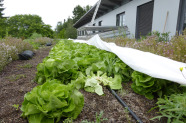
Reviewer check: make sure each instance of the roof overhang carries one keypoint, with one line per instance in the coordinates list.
(105, 7)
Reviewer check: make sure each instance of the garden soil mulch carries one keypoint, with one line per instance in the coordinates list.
(17, 79)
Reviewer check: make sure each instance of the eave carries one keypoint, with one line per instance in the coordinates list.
(105, 7)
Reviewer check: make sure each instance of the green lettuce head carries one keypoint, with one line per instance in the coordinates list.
(51, 101)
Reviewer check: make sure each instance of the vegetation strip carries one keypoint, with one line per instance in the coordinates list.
(86, 67)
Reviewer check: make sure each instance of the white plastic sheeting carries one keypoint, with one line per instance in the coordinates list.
(145, 62)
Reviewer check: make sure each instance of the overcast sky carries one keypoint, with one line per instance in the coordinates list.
(51, 11)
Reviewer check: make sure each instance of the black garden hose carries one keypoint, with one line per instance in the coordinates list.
(124, 105)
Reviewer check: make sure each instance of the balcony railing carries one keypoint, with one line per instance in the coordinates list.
(103, 31)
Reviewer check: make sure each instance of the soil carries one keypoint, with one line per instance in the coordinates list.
(17, 79)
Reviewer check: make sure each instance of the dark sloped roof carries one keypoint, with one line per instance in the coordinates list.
(105, 7)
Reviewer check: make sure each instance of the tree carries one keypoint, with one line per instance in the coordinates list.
(59, 27)
(87, 8)
(22, 26)
(3, 24)
(1, 9)
(62, 34)
(3, 28)
(66, 29)
(70, 31)
(78, 12)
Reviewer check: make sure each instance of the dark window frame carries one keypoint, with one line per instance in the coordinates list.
(100, 23)
(181, 17)
(118, 18)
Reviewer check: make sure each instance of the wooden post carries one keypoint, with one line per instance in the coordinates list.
(165, 21)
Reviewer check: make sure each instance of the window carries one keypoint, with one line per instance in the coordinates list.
(83, 33)
(79, 33)
(120, 19)
(181, 25)
(94, 25)
(144, 17)
(184, 23)
(100, 23)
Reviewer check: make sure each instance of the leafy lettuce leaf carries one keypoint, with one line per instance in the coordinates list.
(93, 83)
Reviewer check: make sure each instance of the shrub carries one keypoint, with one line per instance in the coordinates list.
(10, 48)
(35, 35)
(7, 54)
(18, 43)
(43, 40)
(179, 47)
(37, 42)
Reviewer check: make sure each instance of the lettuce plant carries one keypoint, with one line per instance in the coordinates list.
(67, 59)
(146, 85)
(51, 101)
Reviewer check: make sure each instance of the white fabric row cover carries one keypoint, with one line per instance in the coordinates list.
(153, 65)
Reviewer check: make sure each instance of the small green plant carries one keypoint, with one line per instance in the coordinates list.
(99, 118)
(126, 111)
(68, 120)
(25, 66)
(173, 107)
(2, 121)
(16, 106)
(122, 92)
(16, 77)
(161, 36)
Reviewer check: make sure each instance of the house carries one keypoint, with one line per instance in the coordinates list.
(133, 18)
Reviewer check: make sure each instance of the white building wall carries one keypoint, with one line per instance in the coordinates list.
(161, 7)
(159, 16)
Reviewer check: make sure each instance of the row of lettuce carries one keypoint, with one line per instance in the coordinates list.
(10, 47)
(71, 66)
